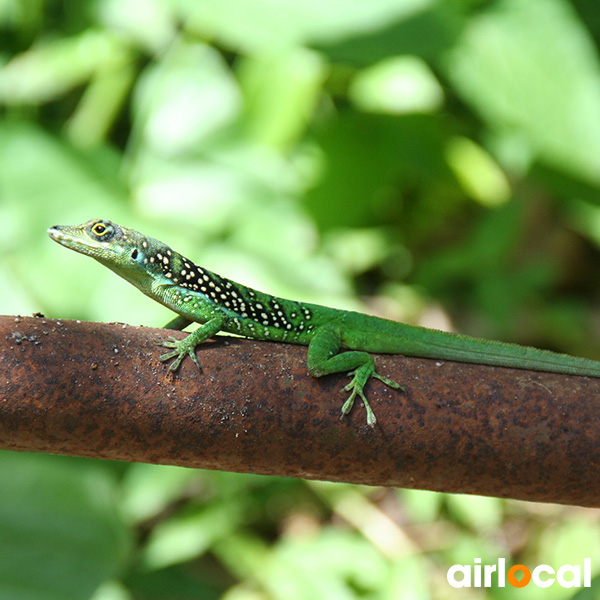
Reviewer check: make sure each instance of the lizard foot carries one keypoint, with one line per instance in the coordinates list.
(183, 348)
(360, 377)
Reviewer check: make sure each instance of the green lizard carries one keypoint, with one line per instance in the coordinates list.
(218, 304)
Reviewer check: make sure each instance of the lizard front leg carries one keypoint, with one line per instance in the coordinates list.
(188, 344)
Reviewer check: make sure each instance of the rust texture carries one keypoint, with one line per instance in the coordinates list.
(98, 390)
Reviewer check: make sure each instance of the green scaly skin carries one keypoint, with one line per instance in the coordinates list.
(218, 304)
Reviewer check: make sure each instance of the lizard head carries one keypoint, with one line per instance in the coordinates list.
(137, 258)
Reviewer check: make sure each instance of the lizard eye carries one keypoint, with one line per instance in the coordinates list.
(102, 230)
(134, 253)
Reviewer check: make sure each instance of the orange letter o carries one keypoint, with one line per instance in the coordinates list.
(514, 581)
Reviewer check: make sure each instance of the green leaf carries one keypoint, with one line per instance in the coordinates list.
(48, 70)
(365, 155)
(424, 29)
(531, 68)
(397, 85)
(281, 93)
(187, 96)
(185, 537)
(272, 24)
(479, 512)
(59, 531)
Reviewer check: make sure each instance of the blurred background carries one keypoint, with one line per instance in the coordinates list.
(436, 162)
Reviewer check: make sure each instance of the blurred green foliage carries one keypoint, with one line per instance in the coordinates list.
(436, 161)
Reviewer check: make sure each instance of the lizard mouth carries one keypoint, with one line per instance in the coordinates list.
(64, 237)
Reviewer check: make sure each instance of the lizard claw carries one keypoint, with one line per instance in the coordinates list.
(356, 387)
(179, 353)
(170, 342)
(360, 377)
(347, 407)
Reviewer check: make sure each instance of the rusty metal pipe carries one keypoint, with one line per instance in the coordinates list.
(98, 390)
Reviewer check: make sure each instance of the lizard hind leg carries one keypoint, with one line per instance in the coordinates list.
(324, 359)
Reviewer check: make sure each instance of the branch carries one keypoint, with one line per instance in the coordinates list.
(98, 390)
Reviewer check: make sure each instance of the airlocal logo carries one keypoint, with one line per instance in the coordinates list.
(543, 576)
